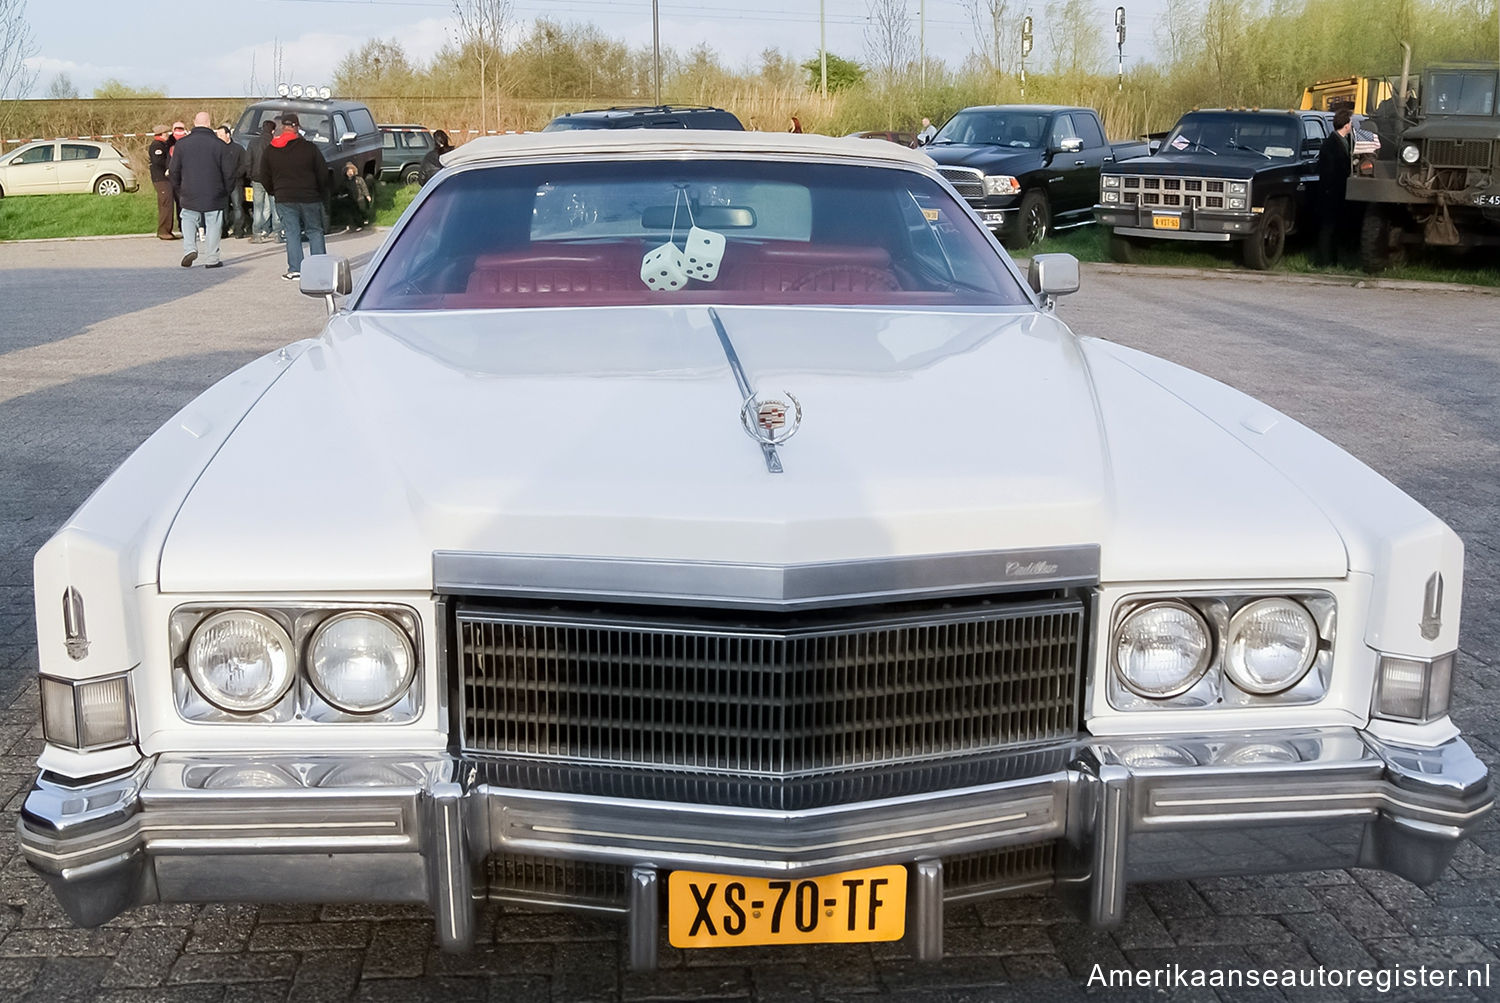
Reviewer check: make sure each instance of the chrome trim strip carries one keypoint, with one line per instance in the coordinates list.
(763, 586)
(773, 459)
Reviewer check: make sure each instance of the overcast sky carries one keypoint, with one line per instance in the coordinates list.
(211, 48)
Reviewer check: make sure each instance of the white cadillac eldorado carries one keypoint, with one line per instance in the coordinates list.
(718, 529)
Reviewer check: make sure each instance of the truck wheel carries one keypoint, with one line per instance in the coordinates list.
(1380, 244)
(411, 174)
(1264, 249)
(1122, 249)
(1033, 222)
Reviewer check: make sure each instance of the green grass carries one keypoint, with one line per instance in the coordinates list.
(391, 201)
(25, 217)
(1090, 243)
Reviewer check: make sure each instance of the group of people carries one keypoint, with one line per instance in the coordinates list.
(203, 179)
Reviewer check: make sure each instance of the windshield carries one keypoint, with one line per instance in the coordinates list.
(669, 231)
(1023, 130)
(1275, 137)
(1461, 93)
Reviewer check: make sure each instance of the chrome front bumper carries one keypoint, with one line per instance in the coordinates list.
(416, 828)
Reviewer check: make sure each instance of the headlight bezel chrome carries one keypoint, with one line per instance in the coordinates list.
(301, 704)
(1215, 688)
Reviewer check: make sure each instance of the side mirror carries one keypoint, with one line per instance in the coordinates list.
(1053, 275)
(348, 137)
(1071, 144)
(326, 275)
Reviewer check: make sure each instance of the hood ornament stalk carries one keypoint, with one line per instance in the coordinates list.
(768, 420)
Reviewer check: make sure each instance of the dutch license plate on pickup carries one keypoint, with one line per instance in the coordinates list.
(724, 910)
(1166, 222)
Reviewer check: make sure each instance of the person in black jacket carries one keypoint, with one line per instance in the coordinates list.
(296, 175)
(236, 220)
(263, 221)
(160, 155)
(1334, 162)
(433, 162)
(202, 172)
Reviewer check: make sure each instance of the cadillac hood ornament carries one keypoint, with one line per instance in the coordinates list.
(1432, 608)
(75, 634)
(771, 420)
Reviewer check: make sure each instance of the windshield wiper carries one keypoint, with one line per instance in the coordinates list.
(1250, 149)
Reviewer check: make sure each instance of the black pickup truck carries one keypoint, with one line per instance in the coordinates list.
(1027, 169)
(1220, 175)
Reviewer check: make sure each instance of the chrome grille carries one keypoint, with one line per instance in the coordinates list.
(1460, 153)
(549, 880)
(965, 180)
(1174, 193)
(764, 699)
(989, 872)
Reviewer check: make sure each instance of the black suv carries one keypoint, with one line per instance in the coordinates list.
(647, 117)
(344, 130)
(1221, 175)
(402, 149)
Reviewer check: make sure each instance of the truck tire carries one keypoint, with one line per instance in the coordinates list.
(1264, 249)
(1033, 222)
(1379, 242)
(1122, 249)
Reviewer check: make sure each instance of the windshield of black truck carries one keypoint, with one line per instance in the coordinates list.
(1275, 137)
(1022, 130)
(1461, 93)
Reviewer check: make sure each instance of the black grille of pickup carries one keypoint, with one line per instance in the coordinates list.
(846, 689)
(965, 180)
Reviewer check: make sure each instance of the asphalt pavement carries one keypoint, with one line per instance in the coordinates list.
(102, 340)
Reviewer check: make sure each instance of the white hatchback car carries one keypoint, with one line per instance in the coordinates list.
(718, 530)
(57, 166)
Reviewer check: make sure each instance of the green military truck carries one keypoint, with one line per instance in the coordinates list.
(1441, 187)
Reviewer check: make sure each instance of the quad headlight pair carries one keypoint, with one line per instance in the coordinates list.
(1168, 648)
(245, 662)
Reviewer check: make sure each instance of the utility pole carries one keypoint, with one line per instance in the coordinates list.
(1120, 45)
(1025, 51)
(823, 49)
(655, 55)
(922, 48)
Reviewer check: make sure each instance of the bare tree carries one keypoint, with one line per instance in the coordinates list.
(888, 39)
(1178, 27)
(481, 33)
(16, 46)
(994, 34)
(1075, 30)
(61, 88)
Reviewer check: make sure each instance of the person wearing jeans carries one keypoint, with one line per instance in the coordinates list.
(301, 221)
(295, 174)
(264, 223)
(202, 173)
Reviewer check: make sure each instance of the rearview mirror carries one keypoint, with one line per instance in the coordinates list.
(1053, 275)
(325, 275)
(709, 217)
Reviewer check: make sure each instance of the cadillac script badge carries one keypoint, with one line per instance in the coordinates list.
(771, 420)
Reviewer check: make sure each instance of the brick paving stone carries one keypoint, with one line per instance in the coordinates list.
(520, 989)
(996, 940)
(74, 943)
(1262, 901)
(687, 984)
(145, 957)
(1451, 951)
(222, 927)
(1467, 919)
(326, 975)
(1392, 893)
(578, 975)
(398, 949)
(1081, 949)
(1329, 941)
(948, 973)
(309, 936)
(450, 990)
(288, 912)
(513, 925)
(257, 992)
(233, 968)
(1175, 900)
(1227, 930)
(343, 912)
(495, 959)
(64, 980)
(1017, 909)
(17, 974)
(788, 983)
(1030, 967)
(171, 994)
(1359, 911)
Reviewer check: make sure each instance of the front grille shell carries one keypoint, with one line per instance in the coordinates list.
(768, 699)
(1174, 193)
(967, 181)
(1461, 153)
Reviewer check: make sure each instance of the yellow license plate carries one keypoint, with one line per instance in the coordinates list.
(1166, 223)
(723, 910)
(249, 194)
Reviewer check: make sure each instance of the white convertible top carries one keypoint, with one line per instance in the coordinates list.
(654, 141)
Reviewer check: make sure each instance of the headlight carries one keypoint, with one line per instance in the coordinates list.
(240, 661)
(1270, 644)
(1111, 196)
(1001, 184)
(360, 662)
(1238, 187)
(1162, 649)
(1111, 181)
(1411, 153)
(1236, 203)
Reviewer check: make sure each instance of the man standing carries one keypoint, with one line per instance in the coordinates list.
(928, 133)
(263, 223)
(1334, 161)
(296, 176)
(160, 155)
(235, 222)
(202, 172)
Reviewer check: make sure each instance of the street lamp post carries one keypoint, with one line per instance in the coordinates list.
(655, 55)
(1120, 45)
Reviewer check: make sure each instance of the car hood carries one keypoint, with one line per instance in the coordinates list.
(617, 433)
(977, 157)
(1231, 165)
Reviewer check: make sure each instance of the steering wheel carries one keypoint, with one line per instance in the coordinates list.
(875, 278)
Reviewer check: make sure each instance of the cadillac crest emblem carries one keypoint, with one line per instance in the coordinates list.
(771, 420)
